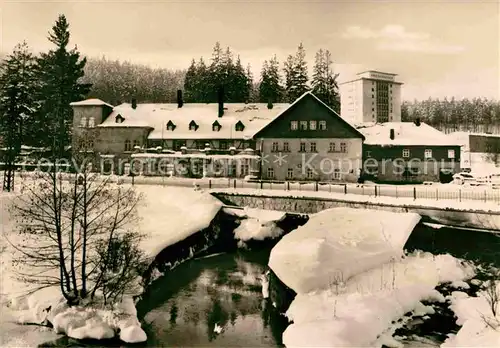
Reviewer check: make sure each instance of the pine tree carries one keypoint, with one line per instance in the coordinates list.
(324, 82)
(270, 88)
(203, 83)
(300, 78)
(190, 83)
(288, 69)
(250, 85)
(60, 72)
(216, 73)
(17, 105)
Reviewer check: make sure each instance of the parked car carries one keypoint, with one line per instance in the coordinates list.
(465, 179)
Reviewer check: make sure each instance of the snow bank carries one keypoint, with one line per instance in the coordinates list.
(480, 328)
(257, 224)
(358, 312)
(92, 323)
(336, 244)
(171, 214)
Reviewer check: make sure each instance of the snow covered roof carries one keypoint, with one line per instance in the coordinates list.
(90, 102)
(465, 135)
(254, 117)
(405, 133)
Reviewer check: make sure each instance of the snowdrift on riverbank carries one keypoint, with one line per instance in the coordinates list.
(480, 328)
(360, 312)
(338, 243)
(258, 224)
(171, 214)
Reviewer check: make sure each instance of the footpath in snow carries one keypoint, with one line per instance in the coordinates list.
(353, 281)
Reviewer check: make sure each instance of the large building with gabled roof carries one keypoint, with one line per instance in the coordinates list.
(305, 140)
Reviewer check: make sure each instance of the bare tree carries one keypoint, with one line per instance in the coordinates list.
(79, 228)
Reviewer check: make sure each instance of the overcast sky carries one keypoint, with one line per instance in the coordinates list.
(438, 48)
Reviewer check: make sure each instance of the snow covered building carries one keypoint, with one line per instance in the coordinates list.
(219, 139)
(479, 151)
(408, 152)
(373, 96)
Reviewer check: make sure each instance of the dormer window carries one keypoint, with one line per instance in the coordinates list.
(216, 126)
(170, 126)
(193, 126)
(239, 126)
(119, 119)
(83, 122)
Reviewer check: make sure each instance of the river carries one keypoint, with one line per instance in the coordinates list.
(183, 308)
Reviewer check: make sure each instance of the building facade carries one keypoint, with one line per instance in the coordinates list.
(408, 152)
(310, 141)
(305, 140)
(372, 97)
(479, 151)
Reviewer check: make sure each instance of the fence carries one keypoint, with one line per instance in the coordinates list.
(430, 192)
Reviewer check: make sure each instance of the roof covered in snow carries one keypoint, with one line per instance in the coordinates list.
(405, 133)
(91, 102)
(465, 135)
(253, 117)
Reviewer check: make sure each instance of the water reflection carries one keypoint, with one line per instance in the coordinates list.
(219, 303)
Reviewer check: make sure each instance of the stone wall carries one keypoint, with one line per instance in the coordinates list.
(310, 205)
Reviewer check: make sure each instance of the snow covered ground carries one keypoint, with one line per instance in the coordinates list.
(353, 281)
(167, 215)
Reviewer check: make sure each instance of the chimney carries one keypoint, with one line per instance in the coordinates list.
(220, 100)
(180, 102)
(417, 122)
(391, 133)
(134, 103)
(269, 104)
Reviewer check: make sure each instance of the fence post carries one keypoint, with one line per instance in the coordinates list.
(375, 190)
(316, 186)
(209, 183)
(396, 192)
(288, 185)
(460, 195)
(234, 183)
(414, 193)
(330, 187)
(261, 183)
(345, 189)
(437, 194)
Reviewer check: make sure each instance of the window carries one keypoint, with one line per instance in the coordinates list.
(451, 154)
(136, 143)
(276, 147)
(406, 153)
(270, 173)
(193, 126)
(286, 147)
(373, 109)
(216, 126)
(368, 154)
(331, 148)
(428, 153)
(170, 126)
(312, 125)
(343, 147)
(302, 147)
(239, 127)
(313, 147)
(245, 167)
(294, 125)
(303, 125)
(373, 89)
(128, 145)
(119, 119)
(91, 122)
(310, 173)
(289, 173)
(223, 145)
(336, 174)
(83, 122)
(322, 125)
